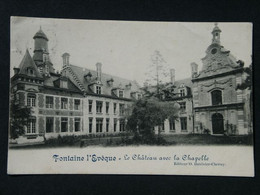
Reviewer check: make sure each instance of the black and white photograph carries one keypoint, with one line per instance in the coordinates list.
(130, 97)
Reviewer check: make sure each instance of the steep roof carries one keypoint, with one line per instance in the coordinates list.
(27, 62)
(118, 82)
(187, 82)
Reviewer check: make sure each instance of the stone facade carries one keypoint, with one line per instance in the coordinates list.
(60, 102)
(219, 107)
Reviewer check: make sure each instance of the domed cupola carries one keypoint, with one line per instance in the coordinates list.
(40, 34)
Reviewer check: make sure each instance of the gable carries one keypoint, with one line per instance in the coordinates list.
(28, 67)
(70, 85)
(217, 60)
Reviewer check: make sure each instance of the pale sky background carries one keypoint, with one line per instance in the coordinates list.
(125, 48)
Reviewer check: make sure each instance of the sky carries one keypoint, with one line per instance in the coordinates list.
(125, 47)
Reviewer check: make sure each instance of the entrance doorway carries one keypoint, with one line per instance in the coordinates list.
(217, 123)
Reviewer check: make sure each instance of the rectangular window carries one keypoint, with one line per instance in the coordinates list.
(64, 124)
(49, 102)
(107, 124)
(121, 93)
(76, 104)
(99, 125)
(64, 103)
(99, 106)
(49, 124)
(64, 84)
(122, 125)
(172, 124)
(182, 92)
(114, 108)
(98, 89)
(182, 106)
(115, 124)
(31, 126)
(90, 125)
(183, 123)
(77, 124)
(90, 106)
(107, 107)
(121, 109)
(31, 98)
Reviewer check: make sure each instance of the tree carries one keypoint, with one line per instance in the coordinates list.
(18, 118)
(157, 71)
(247, 84)
(148, 113)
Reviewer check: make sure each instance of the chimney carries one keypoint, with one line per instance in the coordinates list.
(66, 61)
(98, 65)
(172, 73)
(194, 69)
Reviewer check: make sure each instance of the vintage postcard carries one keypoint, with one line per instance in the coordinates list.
(125, 97)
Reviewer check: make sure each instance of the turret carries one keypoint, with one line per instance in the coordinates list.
(40, 46)
(216, 34)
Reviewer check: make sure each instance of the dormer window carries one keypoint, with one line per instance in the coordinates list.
(64, 84)
(121, 93)
(110, 82)
(182, 92)
(129, 86)
(98, 89)
(30, 72)
(88, 76)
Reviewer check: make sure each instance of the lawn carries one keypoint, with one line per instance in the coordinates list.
(203, 139)
(190, 139)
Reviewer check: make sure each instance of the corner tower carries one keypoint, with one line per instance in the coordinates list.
(41, 53)
(40, 46)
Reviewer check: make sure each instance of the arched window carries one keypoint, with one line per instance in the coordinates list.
(216, 97)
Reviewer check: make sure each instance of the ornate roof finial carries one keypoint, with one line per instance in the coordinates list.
(216, 34)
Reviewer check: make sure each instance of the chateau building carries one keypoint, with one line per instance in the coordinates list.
(83, 101)
(75, 101)
(178, 92)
